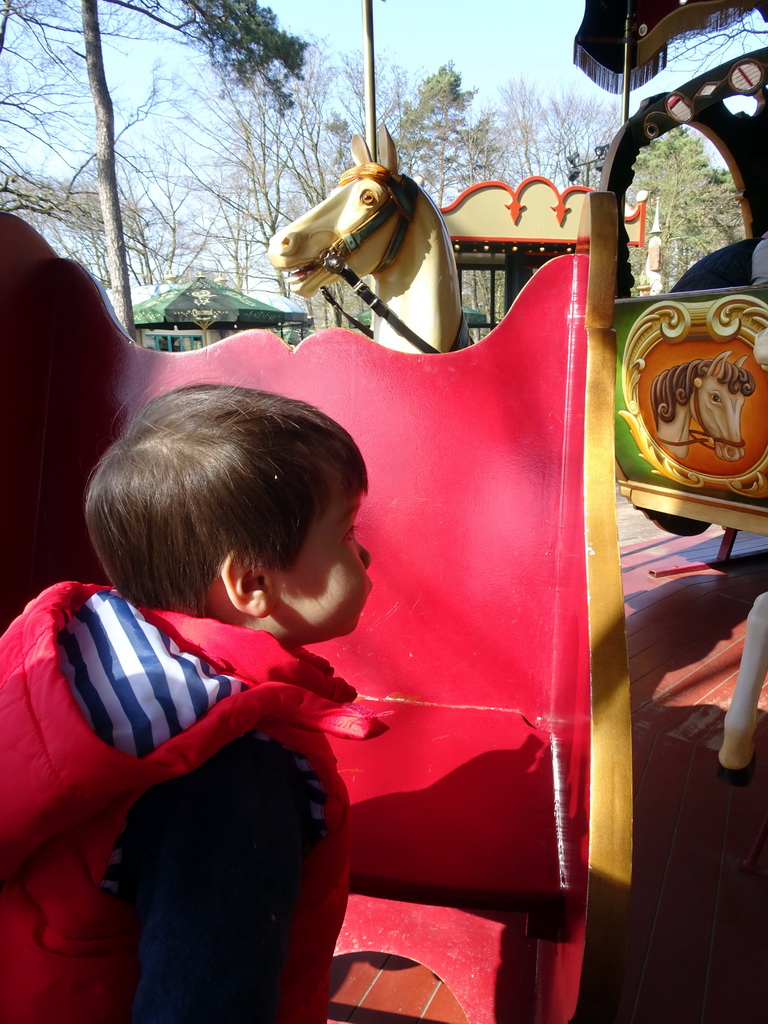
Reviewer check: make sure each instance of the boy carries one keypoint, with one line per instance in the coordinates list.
(172, 826)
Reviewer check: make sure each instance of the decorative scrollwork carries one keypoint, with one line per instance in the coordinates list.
(674, 320)
(754, 484)
(739, 316)
(735, 315)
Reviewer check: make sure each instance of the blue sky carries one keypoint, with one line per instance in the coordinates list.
(489, 42)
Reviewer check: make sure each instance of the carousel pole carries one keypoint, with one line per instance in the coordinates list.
(629, 46)
(370, 78)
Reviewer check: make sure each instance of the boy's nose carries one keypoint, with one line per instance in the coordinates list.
(365, 555)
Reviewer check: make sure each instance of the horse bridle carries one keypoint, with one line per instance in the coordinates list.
(400, 202)
(699, 436)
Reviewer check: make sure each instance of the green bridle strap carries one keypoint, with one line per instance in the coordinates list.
(401, 201)
(404, 193)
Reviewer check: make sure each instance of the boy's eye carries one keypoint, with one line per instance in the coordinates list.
(350, 534)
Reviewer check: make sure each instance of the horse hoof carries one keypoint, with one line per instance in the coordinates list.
(737, 776)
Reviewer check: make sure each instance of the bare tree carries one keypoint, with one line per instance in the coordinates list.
(236, 161)
(699, 50)
(67, 214)
(40, 108)
(396, 89)
(482, 145)
(106, 163)
(163, 233)
(541, 130)
(237, 34)
(260, 165)
(522, 116)
(167, 233)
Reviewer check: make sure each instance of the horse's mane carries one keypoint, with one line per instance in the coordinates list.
(372, 170)
(674, 386)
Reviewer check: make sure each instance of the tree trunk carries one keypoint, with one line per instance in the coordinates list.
(107, 167)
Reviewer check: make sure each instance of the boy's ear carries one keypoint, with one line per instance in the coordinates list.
(248, 591)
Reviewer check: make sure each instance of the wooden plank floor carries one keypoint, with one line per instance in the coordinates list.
(698, 948)
(698, 944)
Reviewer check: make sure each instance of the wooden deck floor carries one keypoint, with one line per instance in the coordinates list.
(698, 945)
(698, 949)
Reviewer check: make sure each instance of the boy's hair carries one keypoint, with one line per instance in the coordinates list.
(208, 471)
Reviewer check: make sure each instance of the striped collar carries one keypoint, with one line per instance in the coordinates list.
(132, 682)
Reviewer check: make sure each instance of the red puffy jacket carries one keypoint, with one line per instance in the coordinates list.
(67, 948)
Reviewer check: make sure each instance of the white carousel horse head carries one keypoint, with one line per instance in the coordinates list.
(383, 224)
(709, 391)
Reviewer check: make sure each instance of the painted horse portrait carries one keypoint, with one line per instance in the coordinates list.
(382, 223)
(709, 392)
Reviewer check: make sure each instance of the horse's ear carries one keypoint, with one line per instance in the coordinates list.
(360, 152)
(717, 364)
(387, 150)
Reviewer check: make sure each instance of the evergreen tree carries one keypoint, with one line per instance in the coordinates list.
(698, 208)
(433, 132)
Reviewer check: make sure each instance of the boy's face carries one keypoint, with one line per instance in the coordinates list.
(322, 595)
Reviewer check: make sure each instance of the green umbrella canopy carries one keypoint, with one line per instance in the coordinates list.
(473, 317)
(203, 302)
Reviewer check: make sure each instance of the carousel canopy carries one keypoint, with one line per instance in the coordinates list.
(294, 311)
(203, 302)
(601, 40)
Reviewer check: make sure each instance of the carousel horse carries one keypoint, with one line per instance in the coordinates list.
(737, 753)
(709, 391)
(380, 222)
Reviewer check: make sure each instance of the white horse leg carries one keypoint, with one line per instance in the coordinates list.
(738, 747)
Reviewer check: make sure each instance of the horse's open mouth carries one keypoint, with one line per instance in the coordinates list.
(729, 451)
(299, 274)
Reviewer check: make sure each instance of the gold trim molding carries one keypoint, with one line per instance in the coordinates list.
(731, 317)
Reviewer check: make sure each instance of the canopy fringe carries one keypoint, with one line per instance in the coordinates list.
(650, 56)
(685, 22)
(611, 81)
